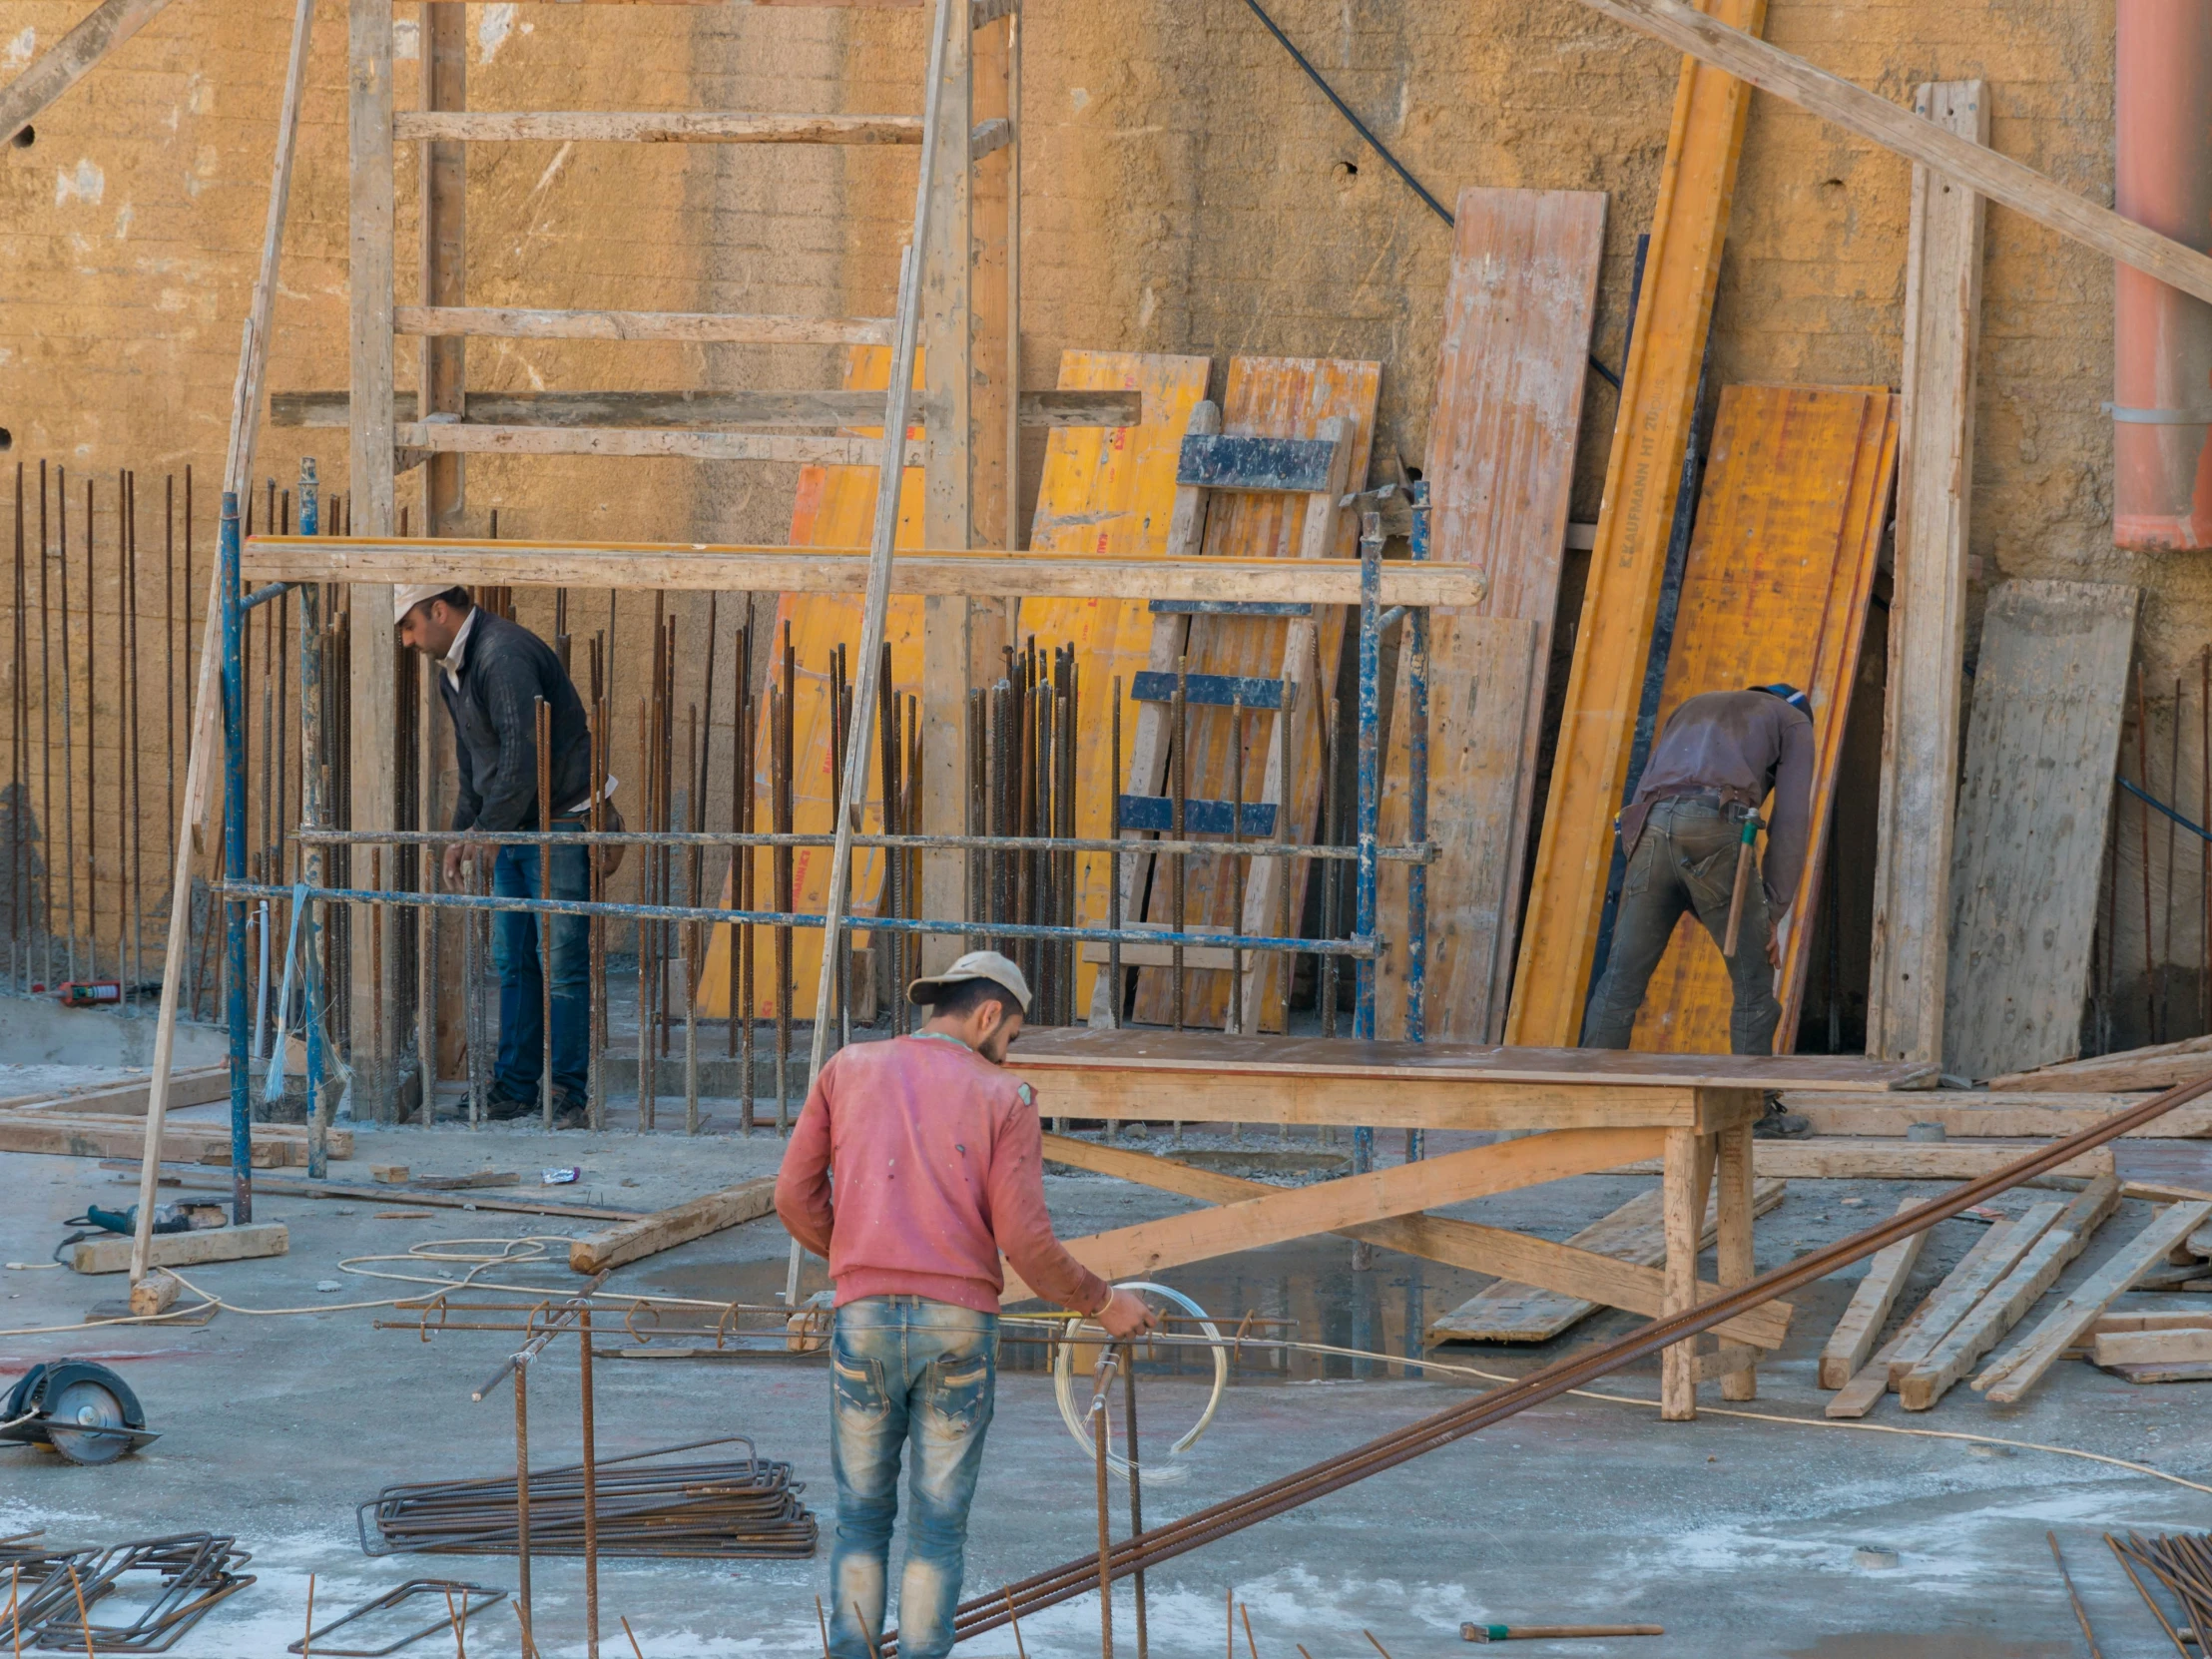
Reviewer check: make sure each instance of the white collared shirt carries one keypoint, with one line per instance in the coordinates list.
(451, 661)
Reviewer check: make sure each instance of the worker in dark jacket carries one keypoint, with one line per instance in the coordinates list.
(492, 673)
(1721, 754)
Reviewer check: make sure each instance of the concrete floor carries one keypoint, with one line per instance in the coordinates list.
(1736, 1535)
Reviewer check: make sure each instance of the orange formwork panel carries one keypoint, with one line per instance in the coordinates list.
(1282, 398)
(1776, 587)
(1696, 188)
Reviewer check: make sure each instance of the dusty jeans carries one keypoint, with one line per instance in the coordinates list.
(905, 1370)
(1685, 860)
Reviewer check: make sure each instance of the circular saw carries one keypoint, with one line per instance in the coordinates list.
(77, 1407)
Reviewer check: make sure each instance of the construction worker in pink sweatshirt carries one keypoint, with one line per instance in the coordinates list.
(914, 1165)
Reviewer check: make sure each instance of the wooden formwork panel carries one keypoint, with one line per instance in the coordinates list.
(1776, 587)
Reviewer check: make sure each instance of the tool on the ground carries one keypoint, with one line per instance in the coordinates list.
(1552, 1632)
(81, 1410)
(187, 1217)
(457, 1613)
(194, 1572)
(1746, 847)
(2082, 1613)
(81, 993)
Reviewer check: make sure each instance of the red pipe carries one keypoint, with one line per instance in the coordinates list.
(2162, 337)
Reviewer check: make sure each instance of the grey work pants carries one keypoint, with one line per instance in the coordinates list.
(1685, 860)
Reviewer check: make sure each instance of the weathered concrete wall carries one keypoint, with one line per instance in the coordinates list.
(1187, 190)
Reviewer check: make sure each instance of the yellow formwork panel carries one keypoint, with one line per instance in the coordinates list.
(1776, 587)
(1108, 491)
(1277, 397)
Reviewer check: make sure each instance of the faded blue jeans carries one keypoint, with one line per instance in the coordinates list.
(906, 1371)
(514, 953)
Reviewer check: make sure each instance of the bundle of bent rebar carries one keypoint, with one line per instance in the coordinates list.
(737, 1509)
(2183, 1563)
(56, 1591)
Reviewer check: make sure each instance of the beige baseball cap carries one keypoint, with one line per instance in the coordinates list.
(977, 964)
(405, 596)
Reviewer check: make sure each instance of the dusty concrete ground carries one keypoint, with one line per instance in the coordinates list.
(1737, 1534)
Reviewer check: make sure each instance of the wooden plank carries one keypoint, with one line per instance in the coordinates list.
(70, 59)
(479, 438)
(1867, 1387)
(197, 1087)
(837, 568)
(1958, 1295)
(1845, 1354)
(1776, 587)
(2161, 1073)
(1977, 1114)
(92, 1137)
(1950, 1359)
(1927, 609)
(1299, 1212)
(1631, 1283)
(653, 127)
(2048, 695)
(1520, 1311)
(1064, 407)
(1685, 1177)
(1518, 312)
(1697, 187)
(215, 1135)
(1733, 1175)
(183, 1250)
(1108, 494)
(2016, 1371)
(1855, 110)
(2145, 1348)
(693, 328)
(1282, 398)
(1870, 1158)
(2088, 1073)
(666, 1229)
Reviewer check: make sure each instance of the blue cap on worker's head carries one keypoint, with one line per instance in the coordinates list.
(1789, 694)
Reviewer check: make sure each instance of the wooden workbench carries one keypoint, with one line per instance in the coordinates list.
(1582, 1111)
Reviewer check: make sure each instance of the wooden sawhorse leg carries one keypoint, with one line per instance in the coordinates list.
(1693, 1160)
(1733, 1220)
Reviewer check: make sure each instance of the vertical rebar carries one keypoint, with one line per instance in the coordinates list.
(92, 742)
(69, 719)
(782, 788)
(689, 931)
(1241, 866)
(46, 730)
(1331, 887)
(1105, 1518)
(2142, 816)
(137, 815)
(591, 1480)
(543, 921)
(1180, 716)
(522, 1495)
(1136, 1482)
(745, 862)
(1113, 877)
(233, 867)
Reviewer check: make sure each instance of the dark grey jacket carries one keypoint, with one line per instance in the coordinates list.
(505, 669)
(1740, 746)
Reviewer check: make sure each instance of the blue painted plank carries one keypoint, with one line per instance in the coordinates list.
(1156, 812)
(1211, 691)
(1217, 461)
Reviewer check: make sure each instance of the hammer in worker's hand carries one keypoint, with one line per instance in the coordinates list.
(1743, 851)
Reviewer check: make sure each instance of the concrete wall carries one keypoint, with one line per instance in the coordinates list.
(1186, 190)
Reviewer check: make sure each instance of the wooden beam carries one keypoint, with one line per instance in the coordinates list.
(703, 408)
(1855, 110)
(1927, 616)
(2017, 1369)
(1298, 1211)
(1852, 1339)
(98, 1137)
(179, 1250)
(1643, 474)
(70, 59)
(690, 328)
(1859, 1395)
(197, 1087)
(1957, 1296)
(1869, 1158)
(1978, 1115)
(1461, 1244)
(666, 1229)
(475, 438)
(653, 127)
(1946, 1361)
(703, 566)
(2160, 1072)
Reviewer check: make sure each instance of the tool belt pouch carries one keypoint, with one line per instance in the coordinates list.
(608, 860)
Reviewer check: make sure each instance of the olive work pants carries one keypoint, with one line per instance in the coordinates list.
(1685, 860)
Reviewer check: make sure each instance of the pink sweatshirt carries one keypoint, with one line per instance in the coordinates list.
(938, 1161)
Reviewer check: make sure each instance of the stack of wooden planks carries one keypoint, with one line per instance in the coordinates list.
(1994, 1286)
(107, 1122)
(2160, 1066)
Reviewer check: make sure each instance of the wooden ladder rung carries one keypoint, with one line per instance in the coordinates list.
(514, 322)
(452, 437)
(652, 127)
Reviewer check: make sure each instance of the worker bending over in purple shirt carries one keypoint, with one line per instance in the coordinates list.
(915, 1163)
(1718, 758)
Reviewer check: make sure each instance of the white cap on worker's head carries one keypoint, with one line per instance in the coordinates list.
(405, 596)
(977, 964)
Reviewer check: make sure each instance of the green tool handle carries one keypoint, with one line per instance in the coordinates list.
(1552, 1632)
(1744, 850)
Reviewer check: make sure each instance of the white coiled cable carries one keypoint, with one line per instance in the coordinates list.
(1167, 1472)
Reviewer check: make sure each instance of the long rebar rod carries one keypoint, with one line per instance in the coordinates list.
(1441, 1429)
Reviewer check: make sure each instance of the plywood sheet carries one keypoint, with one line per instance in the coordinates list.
(1777, 585)
(1696, 188)
(1284, 398)
(1508, 405)
(1108, 491)
(2041, 744)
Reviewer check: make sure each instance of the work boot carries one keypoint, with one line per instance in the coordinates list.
(570, 1110)
(502, 1107)
(1778, 1125)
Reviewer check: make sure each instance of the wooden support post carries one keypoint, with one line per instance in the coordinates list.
(372, 489)
(1927, 616)
(1733, 1243)
(1658, 386)
(951, 644)
(1683, 1206)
